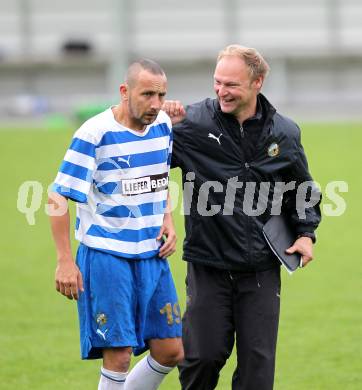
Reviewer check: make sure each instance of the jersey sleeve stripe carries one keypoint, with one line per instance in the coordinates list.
(169, 154)
(69, 193)
(80, 159)
(89, 134)
(72, 182)
(84, 147)
(76, 171)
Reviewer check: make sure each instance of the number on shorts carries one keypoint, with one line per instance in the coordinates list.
(171, 312)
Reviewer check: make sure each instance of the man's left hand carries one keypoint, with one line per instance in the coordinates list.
(304, 246)
(167, 230)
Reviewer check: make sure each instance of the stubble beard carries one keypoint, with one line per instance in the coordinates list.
(140, 118)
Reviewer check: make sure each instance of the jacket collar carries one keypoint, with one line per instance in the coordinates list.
(265, 114)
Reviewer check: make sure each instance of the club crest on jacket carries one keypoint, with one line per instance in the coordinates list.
(273, 150)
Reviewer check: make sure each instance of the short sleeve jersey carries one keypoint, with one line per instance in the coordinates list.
(119, 179)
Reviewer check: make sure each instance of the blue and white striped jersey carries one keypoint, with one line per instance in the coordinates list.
(119, 179)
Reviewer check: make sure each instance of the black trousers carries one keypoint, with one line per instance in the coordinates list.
(220, 306)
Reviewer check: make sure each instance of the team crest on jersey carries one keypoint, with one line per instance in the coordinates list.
(273, 150)
(101, 319)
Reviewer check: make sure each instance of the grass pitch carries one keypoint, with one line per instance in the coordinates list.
(319, 344)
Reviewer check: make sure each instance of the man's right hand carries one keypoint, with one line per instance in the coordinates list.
(68, 279)
(175, 110)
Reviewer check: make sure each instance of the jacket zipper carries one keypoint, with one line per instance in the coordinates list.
(242, 133)
(246, 167)
(248, 222)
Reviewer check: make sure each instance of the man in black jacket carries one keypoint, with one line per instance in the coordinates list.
(241, 162)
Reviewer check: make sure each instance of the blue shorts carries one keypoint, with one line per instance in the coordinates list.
(125, 302)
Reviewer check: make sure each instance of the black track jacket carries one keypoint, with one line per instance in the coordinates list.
(220, 157)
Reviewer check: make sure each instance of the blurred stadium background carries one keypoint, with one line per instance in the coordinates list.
(61, 61)
(57, 57)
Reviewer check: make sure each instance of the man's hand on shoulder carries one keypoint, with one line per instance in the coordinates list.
(68, 279)
(304, 246)
(175, 110)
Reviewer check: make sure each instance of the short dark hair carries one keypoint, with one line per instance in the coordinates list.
(142, 64)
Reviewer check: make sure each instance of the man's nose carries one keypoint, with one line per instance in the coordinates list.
(221, 91)
(156, 103)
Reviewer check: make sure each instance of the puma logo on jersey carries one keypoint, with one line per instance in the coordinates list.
(102, 334)
(215, 138)
(125, 161)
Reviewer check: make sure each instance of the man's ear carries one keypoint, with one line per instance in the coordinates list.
(258, 82)
(124, 89)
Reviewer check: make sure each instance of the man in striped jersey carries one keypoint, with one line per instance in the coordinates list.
(116, 170)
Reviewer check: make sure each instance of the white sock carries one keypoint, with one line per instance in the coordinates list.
(111, 380)
(147, 374)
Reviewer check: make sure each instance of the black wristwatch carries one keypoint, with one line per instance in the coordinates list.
(308, 234)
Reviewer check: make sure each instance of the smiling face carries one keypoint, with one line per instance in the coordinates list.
(234, 87)
(144, 98)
